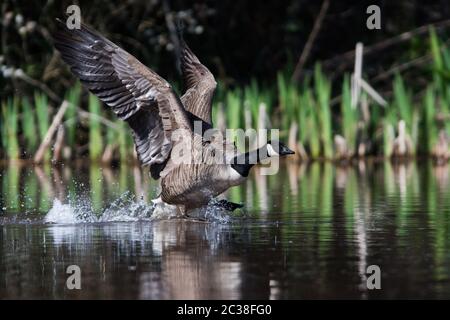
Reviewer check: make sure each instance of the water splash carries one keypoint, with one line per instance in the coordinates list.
(127, 208)
(61, 213)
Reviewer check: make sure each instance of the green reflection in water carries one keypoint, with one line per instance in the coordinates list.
(330, 218)
(235, 195)
(30, 190)
(320, 191)
(123, 178)
(46, 195)
(11, 187)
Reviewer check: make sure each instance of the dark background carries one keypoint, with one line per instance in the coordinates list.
(237, 40)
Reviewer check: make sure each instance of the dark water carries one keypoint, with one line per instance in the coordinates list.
(308, 232)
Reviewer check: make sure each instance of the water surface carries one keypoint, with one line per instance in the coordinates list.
(309, 232)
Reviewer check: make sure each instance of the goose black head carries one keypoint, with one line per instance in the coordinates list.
(276, 148)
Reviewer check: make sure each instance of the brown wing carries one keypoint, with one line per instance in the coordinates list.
(135, 93)
(200, 84)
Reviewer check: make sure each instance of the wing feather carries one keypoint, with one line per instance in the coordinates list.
(135, 93)
(199, 82)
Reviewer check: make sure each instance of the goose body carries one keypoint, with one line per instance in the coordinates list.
(192, 168)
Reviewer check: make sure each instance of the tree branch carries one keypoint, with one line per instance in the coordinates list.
(312, 37)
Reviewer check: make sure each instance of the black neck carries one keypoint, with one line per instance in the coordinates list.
(244, 162)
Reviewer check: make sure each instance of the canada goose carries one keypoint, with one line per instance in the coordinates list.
(162, 124)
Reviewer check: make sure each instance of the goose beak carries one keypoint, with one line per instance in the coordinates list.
(286, 151)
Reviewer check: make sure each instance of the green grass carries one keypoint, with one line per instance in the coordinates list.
(430, 130)
(406, 110)
(349, 125)
(70, 117)
(29, 126)
(323, 91)
(9, 128)
(123, 145)
(388, 134)
(95, 129)
(426, 113)
(43, 116)
(234, 107)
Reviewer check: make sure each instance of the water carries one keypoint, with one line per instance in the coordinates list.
(308, 232)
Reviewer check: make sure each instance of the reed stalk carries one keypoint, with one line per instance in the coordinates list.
(29, 127)
(323, 92)
(70, 117)
(287, 106)
(349, 126)
(95, 132)
(43, 117)
(122, 141)
(10, 129)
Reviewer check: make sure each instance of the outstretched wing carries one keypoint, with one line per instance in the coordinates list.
(135, 93)
(199, 82)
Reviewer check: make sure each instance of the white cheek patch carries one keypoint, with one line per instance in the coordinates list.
(271, 151)
(232, 174)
